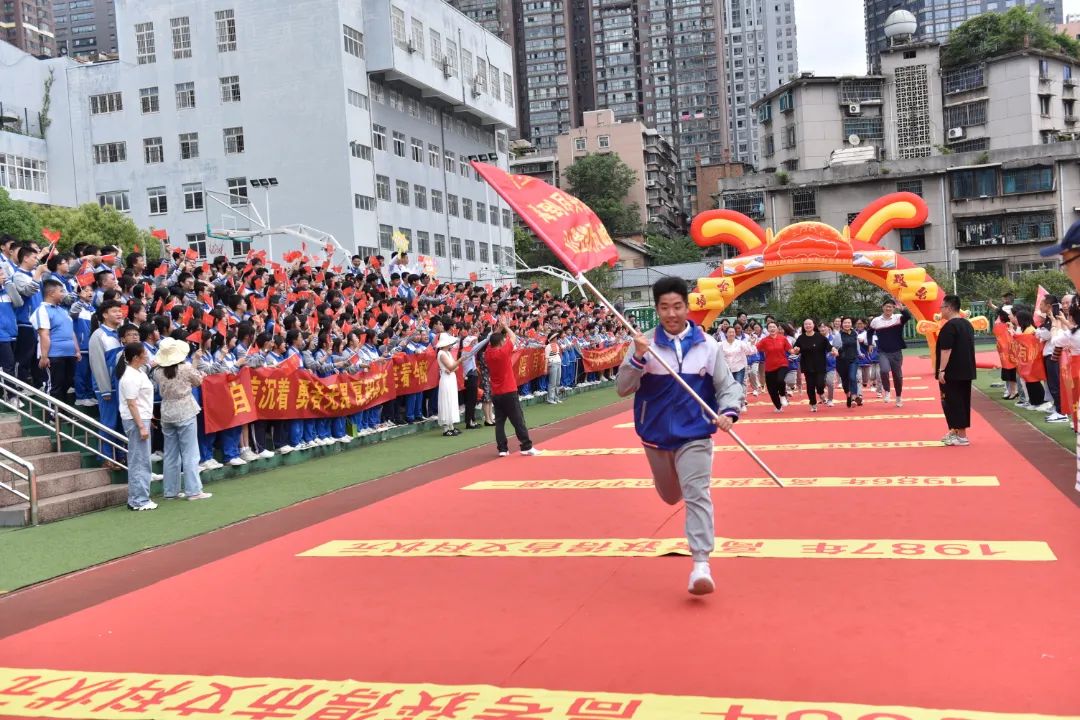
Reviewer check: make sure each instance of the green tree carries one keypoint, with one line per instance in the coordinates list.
(602, 181)
(671, 250)
(813, 299)
(91, 223)
(982, 287)
(17, 219)
(1055, 282)
(992, 34)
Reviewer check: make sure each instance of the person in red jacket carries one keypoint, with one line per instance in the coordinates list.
(504, 391)
(775, 348)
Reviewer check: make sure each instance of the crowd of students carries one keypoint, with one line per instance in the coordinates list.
(858, 354)
(78, 324)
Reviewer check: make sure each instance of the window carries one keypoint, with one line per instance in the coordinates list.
(1024, 180)
(159, 203)
(226, 30)
(483, 252)
(440, 245)
(354, 41)
(463, 166)
(494, 215)
(238, 191)
(467, 66)
(1044, 105)
(579, 144)
(114, 152)
(357, 99)
(399, 144)
(604, 141)
(360, 151)
(397, 27)
(912, 239)
(181, 38)
(481, 212)
(508, 89)
(495, 252)
(436, 47)
(433, 155)
(1030, 227)
(189, 146)
(382, 187)
(117, 199)
(185, 95)
(788, 141)
(911, 186)
(496, 90)
(436, 201)
(507, 218)
(981, 182)
(451, 58)
(386, 237)
(197, 242)
(153, 152)
(418, 150)
(466, 208)
(402, 192)
(144, 43)
(234, 140)
(107, 103)
(455, 248)
(148, 98)
(481, 75)
(193, 197)
(449, 162)
(378, 137)
(452, 204)
(364, 202)
(423, 242)
(230, 88)
(470, 249)
(418, 37)
(420, 197)
(803, 202)
(966, 115)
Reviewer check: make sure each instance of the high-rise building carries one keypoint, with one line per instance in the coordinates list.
(938, 18)
(85, 27)
(760, 54)
(28, 25)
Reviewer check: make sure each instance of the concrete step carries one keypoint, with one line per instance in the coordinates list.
(65, 506)
(47, 464)
(24, 446)
(59, 483)
(10, 427)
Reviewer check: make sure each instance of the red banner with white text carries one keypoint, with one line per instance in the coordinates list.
(287, 394)
(600, 359)
(1069, 377)
(1025, 354)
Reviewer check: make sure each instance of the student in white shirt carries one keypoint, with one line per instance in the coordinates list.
(136, 412)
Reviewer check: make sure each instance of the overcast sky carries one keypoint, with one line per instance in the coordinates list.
(832, 36)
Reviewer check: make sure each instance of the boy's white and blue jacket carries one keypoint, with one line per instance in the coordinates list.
(665, 416)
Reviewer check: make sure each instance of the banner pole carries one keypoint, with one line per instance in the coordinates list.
(584, 281)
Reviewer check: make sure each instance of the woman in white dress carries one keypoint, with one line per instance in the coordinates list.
(449, 412)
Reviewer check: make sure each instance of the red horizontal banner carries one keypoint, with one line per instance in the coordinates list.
(289, 394)
(1025, 354)
(600, 359)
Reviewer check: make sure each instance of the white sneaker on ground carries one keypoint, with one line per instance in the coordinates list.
(285, 449)
(1046, 407)
(201, 496)
(948, 435)
(1056, 417)
(701, 582)
(150, 505)
(899, 401)
(266, 454)
(503, 453)
(957, 440)
(530, 451)
(344, 439)
(156, 477)
(813, 408)
(211, 464)
(778, 409)
(783, 401)
(156, 456)
(178, 496)
(237, 462)
(305, 445)
(887, 397)
(248, 454)
(1023, 404)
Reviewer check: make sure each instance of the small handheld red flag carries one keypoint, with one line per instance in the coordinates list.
(160, 234)
(161, 270)
(195, 337)
(290, 363)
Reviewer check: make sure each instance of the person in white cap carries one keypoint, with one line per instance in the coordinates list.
(175, 378)
(449, 412)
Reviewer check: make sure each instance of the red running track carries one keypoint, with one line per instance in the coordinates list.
(985, 636)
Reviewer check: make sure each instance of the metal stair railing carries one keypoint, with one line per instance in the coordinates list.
(62, 420)
(24, 470)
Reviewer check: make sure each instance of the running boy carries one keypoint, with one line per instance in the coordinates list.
(676, 434)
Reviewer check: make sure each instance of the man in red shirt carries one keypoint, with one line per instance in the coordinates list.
(504, 391)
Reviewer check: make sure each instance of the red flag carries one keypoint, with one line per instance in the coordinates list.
(252, 350)
(53, 236)
(160, 234)
(135, 247)
(222, 328)
(108, 259)
(192, 254)
(259, 304)
(291, 256)
(355, 360)
(85, 279)
(565, 224)
(188, 314)
(375, 263)
(124, 310)
(313, 323)
(259, 283)
(161, 270)
(473, 276)
(371, 323)
(346, 328)
(290, 363)
(208, 319)
(205, 267)
(1037, 316)
(147, 290)
(195, 337)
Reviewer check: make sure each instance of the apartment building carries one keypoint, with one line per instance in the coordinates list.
(28, 25)
(85, 28)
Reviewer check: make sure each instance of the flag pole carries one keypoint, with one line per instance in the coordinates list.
(584, 281)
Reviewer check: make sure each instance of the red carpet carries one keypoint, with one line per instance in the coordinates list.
(984, 637)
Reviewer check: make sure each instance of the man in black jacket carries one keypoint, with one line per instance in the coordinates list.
(955, 369)
(889, 328)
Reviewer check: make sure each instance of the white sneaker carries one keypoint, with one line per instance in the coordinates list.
(887, 397)
(344, 439)
(813, 408)
(285, 449)
(1023, 404)
(211, 464)
(503, 453)
(249, 455)
(237, 462)
(778, 409)
(266, 454)
(701, 582)
(1057, 417)
(1046, 407)
(899, 402)
(530, 451)
(156, 456)
(150, 505)
(303, 446)
(201, 496)
(156, 477)
(783, 401)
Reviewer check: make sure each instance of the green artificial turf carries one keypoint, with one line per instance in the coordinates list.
(31, 555)
(1061, 433)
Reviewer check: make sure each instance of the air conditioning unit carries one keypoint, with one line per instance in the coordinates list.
(411, 47)
(956, 133)
(446, 67)
(854, 109)
(475, 91)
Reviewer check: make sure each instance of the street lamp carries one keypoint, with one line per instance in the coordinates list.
(266, 184)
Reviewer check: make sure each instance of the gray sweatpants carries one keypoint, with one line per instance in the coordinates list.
(686, 474)
(892, 362)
